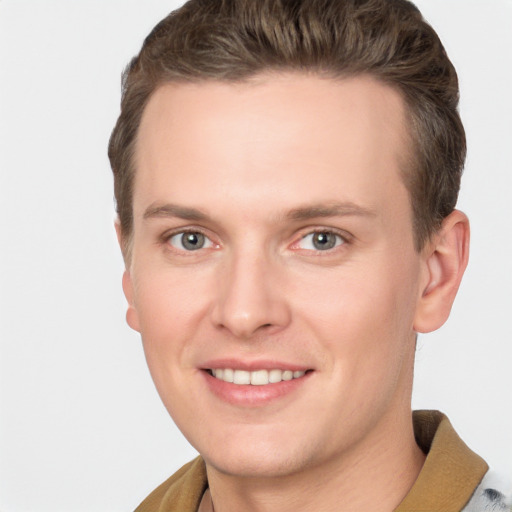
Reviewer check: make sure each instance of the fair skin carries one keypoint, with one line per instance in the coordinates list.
(298, 255)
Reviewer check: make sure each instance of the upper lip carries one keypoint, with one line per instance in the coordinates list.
(263, 364)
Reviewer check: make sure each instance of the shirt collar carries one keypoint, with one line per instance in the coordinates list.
(451, 471)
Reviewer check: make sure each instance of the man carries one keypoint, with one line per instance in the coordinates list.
(286, 174)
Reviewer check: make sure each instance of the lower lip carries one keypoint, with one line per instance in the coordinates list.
(253, 396)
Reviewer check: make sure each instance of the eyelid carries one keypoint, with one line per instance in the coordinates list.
(169, 234)
(346, 238)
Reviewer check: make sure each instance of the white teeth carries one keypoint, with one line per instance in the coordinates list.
(287, 375)
(241, 377)
(257, 377)
(228, 375)
(275, 376)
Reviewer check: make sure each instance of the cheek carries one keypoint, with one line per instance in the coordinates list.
(365, 315)
(166, 314)
(369, 349)
(168, 300)
(169, 307)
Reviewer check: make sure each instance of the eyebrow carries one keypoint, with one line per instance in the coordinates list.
(331, 209)
(173, 210)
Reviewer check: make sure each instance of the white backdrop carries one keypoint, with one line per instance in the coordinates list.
(81, 426)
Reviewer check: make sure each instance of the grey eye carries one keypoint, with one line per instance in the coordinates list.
(321, 241)
(190, 241)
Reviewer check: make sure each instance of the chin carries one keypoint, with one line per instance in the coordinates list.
(259, 465)
(267, 457)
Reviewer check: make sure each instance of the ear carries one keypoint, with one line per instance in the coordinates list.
(445, 260)
(132, 317)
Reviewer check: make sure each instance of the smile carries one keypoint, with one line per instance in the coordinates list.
(255, 378)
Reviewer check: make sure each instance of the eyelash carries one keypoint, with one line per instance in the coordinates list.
(168, 236)
(345, 238)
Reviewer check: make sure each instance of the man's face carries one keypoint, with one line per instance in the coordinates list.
(272, 235)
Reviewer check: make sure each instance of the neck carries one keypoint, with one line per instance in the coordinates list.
(374, 475)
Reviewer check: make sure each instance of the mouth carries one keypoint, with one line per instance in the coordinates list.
(257, 377)
(249, 384)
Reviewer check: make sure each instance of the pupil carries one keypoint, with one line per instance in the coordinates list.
(323, 241)
(192, 241)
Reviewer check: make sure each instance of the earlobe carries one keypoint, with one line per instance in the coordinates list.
(446, 258)
(132, 317)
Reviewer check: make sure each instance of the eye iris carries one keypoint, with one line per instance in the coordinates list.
(324, 241)
(192, 241)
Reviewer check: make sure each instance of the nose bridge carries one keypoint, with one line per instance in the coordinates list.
(249, 298)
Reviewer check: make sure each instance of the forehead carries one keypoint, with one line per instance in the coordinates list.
(278, 137)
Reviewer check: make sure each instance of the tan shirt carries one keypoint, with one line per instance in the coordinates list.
(447, 481)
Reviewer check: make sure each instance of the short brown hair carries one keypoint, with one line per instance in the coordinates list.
(234, 40)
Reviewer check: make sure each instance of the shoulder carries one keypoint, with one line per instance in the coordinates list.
(181, 492)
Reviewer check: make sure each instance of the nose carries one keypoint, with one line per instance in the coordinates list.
(251, 297)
